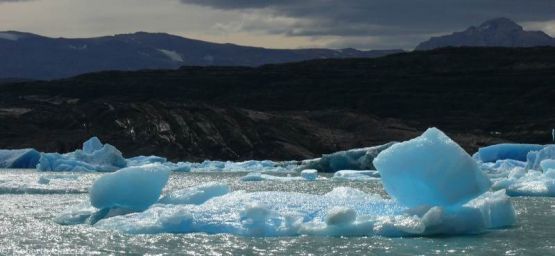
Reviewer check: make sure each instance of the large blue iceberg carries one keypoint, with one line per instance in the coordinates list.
(19, 158)
(430, 170)
(434, 163)
(133, 188)
(94, 156)
(507, 151)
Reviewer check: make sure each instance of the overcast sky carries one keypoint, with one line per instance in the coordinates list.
(363, 24)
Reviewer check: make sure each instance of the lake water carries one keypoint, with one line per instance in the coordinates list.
(27, 226)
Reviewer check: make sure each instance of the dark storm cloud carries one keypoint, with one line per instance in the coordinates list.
(389, 17)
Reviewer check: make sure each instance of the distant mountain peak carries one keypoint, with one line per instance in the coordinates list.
(500, 24)
(498, 32)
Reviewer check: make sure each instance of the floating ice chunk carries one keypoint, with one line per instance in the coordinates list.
(195, 195)
(355, 175)
(501, 169)
(142, 160)
(309, 174)
(534, 158)
(91, 145)
(78, 214)
(507, 151)
(354, 159)
(134, 188)
(547, 164)
(19, 158)
(534, 183)
(93, 157)
(496, 209)
(430, 170)
(341, 212)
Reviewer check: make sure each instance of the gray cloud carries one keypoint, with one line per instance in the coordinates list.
(386, 18)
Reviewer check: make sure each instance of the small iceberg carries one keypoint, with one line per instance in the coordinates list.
(506, 151)
(354, 159)
(94, 156)
(19, 158)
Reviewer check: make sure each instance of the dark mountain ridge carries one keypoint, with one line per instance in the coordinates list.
(291, 111)
(31, 56)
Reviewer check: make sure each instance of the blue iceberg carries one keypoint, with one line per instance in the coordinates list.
(535, 158)
(528, 183)
(507, 151)
(19, 158)
(450, 197)
(133, 188)
(195, 195)
(547, 164)
(430, 170)
(94, 156)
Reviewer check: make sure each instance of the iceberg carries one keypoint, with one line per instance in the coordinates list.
(531, 183)
(354, 159)
(195, 195)
(535, 158)
(507, 151)
(430, 170)
(433, 163)
(341, 212)
(547, 164)
(355, 175)
(94, 156)
(19, 158)
(133, 188)
(309, 174)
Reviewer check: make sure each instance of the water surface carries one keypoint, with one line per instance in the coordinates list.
(27, 227)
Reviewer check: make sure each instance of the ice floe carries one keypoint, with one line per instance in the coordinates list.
(354, 159)
(19, 158)
(94, 156)
(506, 151)
(451, 200)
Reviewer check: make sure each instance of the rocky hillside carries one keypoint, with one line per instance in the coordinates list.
(291, 111)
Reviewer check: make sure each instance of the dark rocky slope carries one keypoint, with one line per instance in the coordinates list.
(291, 111)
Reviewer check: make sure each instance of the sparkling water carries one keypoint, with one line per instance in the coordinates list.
(27, 227)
